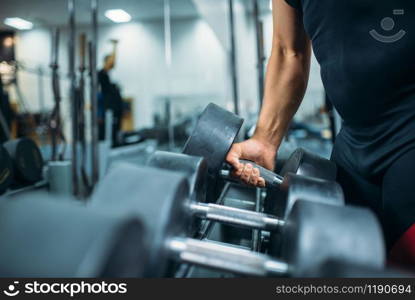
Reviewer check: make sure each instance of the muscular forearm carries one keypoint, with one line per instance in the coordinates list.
(285, 85)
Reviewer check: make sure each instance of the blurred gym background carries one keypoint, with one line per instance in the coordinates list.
(172, 58)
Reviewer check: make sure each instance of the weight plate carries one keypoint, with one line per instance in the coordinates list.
(27, 160)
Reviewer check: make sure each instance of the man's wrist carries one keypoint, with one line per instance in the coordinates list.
(267, 139)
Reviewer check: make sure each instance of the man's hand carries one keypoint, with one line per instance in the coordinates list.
(257, 151)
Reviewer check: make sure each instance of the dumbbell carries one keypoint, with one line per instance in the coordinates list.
(26, 159)
(313, 232)
(216, 131)
(58, 237)
(6, 170)
(295, 187)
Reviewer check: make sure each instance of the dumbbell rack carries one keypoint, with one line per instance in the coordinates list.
(233, 195)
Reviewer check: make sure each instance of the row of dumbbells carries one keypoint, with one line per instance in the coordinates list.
(315, 228)
(140, 220)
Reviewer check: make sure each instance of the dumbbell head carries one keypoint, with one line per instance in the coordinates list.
(213, 136)
(6, 170)
(279, 201)
(316, 232)
(44, 237)
(158, 197)
(296, 187)
(194, 167)
(27, 160)
(303, 162)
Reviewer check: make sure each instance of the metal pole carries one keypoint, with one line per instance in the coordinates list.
(94, 94)
(40, 91)
(260, 51)
(85, 186)
(233, 59)
(168, 61)
(55, 121)
(72, 95)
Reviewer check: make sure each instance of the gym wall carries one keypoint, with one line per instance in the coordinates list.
(200, 71)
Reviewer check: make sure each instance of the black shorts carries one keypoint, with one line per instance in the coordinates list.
(389, 193)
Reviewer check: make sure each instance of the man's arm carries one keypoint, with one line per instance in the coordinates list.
(287, 74)
(285, 85)
(114, 50)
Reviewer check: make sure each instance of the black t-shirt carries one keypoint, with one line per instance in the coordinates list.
(111, 94)
(366, 50)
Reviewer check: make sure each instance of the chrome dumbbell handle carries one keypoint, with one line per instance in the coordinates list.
(236, 217)
(219, 256)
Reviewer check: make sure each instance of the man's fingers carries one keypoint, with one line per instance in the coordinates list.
(247, 173)
(261, 182)
(233, 159)
(254, 178)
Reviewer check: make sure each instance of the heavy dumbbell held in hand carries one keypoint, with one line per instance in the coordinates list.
(216, 131)
(311, 234)
(295, 187)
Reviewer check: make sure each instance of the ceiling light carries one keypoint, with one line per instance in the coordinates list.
(118, 15)
(18, 23)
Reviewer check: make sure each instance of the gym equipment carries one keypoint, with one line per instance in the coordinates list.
(313, 232)
(54, 123)
(6, 170)
(59, 174)
(27, 160)
(194, 167)
(295, 187)
(213, 136)
(216, 131)
(44, 237)
(303, 162)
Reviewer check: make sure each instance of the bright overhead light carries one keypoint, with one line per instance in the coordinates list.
(18, 23)
(270, 4)
(118, 15)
